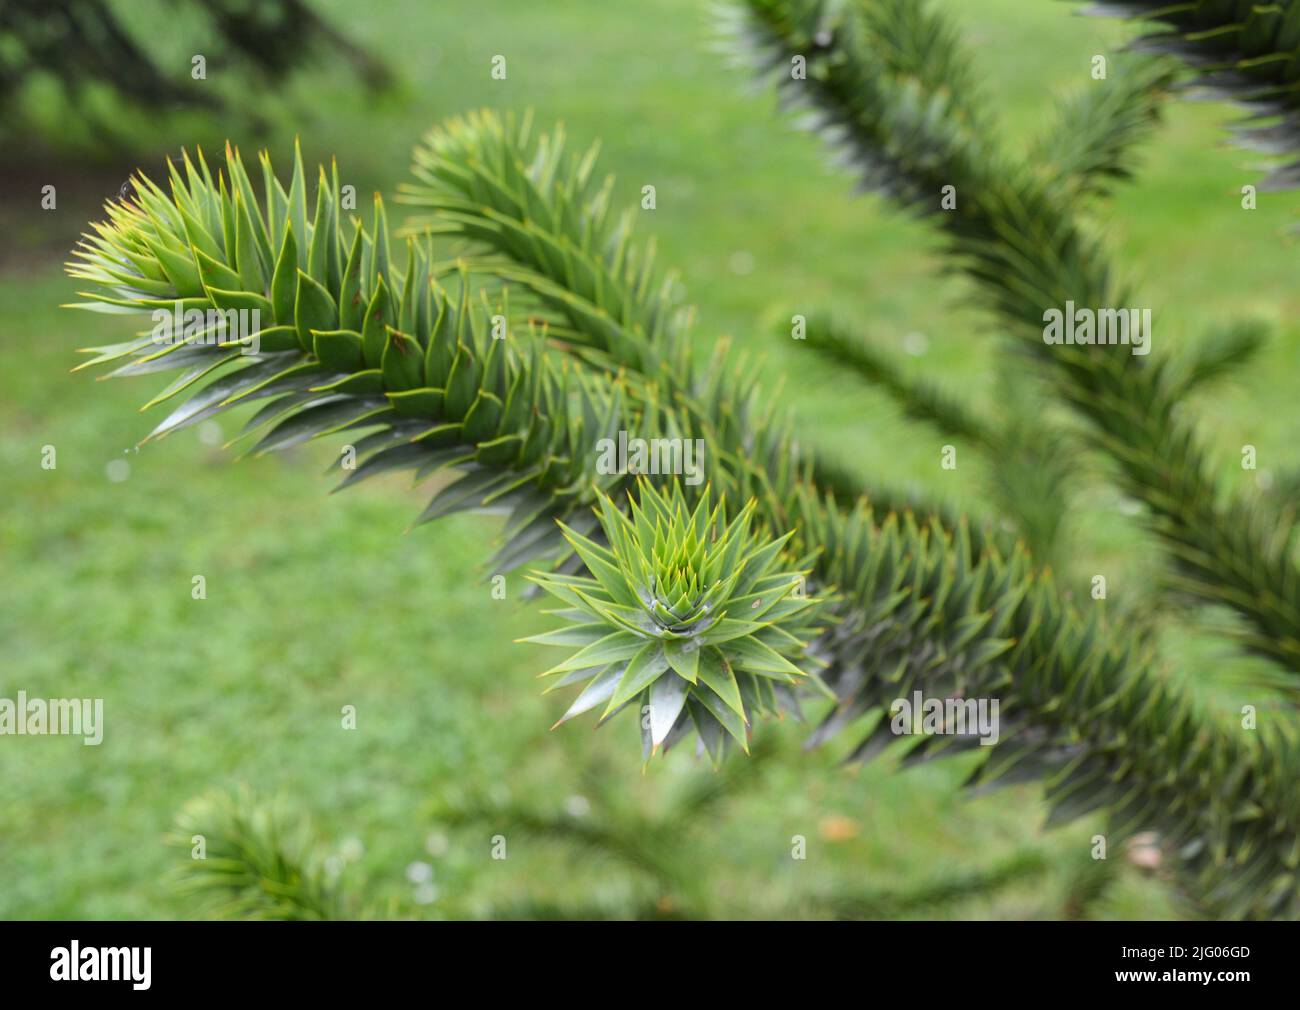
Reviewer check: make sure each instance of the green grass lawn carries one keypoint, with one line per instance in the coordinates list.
(317, 602)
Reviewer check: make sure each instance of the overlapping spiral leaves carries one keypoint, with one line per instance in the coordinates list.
(701, 620)
(346, 342)
(414, 372)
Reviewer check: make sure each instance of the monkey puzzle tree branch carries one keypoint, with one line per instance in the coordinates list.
(538, 218)
(1017, 239)
(1248, 53)
(353, 344)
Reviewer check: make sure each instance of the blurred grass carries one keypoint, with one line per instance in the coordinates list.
(316, 602)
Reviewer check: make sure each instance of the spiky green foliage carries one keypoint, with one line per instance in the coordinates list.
(354, 345)
(347, 343)
(527, 212)
(1030, 460)
(918, 398)
(248, 859)
(83, 46)
(693, 616)
(545, 225)
(918, 606)
(1246, 52)
(1223, 350)
(881, 903)
(661, 848)
(267, 860)
(1019, 241)
(875, 81)
(1080, 709)
(1090, 144)
(670, 873)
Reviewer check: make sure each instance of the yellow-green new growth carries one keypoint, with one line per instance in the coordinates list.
(701, 618)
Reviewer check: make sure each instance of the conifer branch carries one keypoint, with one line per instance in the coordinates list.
(1090, 144)
(1031, 464)
(531, 214)
(917, 398)
(1221, 351)
(356, 345)
(246, 859)
(1248, 53)
(1019, 242)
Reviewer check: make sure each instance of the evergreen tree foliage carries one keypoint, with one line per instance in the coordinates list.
(505, 369)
